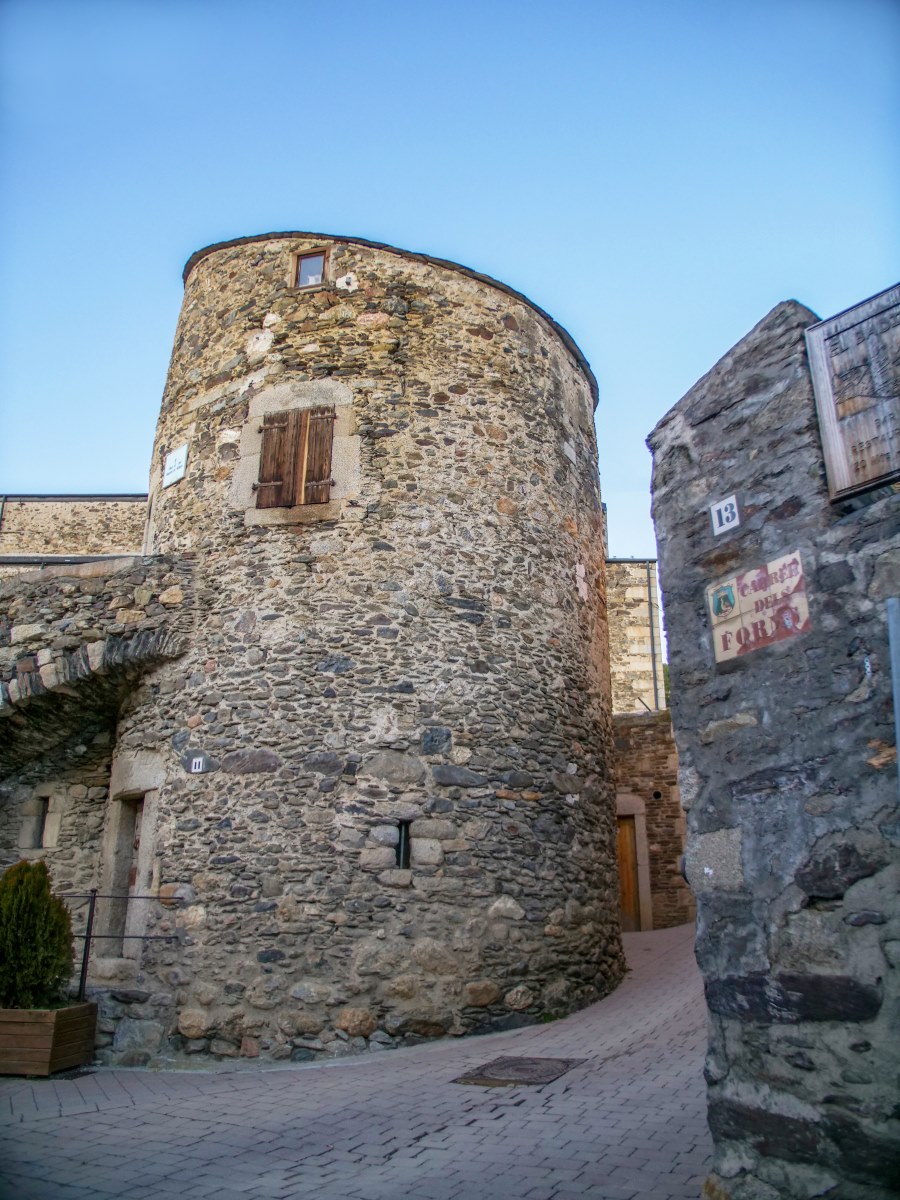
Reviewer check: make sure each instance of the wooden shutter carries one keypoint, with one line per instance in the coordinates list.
(295, 459)
(317, 466)
(278, 461)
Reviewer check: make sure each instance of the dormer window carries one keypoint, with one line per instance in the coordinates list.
(309, 269)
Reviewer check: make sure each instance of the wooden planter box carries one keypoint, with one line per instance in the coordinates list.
(40, 1041)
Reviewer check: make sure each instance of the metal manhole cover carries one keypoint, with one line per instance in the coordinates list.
(507, 1072)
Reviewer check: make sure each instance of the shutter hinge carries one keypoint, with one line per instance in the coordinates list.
(269, 483)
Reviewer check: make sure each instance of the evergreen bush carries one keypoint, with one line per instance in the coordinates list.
(36, 948)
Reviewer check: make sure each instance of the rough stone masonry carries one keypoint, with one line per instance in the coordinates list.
(38, 528)
(789, 770)
(374, 782)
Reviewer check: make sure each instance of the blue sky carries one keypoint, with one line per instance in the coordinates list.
(657, 174)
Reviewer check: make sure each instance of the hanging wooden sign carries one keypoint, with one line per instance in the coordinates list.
(855, 363)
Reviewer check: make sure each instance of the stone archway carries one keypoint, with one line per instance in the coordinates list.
(73, 695)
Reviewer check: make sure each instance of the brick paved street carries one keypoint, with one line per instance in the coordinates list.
(629, 1123)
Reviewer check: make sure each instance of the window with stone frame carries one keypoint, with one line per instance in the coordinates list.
(34, 823)
(40, 831)
(41, 819)
(308, 269)
(295, 460)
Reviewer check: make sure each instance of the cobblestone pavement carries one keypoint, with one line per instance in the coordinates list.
(628, 1123)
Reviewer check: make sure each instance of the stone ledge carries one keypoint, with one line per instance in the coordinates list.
(68, 566)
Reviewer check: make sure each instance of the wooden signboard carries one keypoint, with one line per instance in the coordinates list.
(855, 363)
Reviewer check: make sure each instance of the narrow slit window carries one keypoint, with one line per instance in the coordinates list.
(41, 829)
(36, 816)
(125, 869)
(403, 846)
(310, 270)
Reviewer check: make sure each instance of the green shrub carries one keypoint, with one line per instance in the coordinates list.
(35, 939)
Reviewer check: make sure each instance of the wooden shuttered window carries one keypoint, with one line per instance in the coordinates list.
(277, 460)
(295, 461)
(316, 482)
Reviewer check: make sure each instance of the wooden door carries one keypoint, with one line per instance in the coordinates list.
(629, 905)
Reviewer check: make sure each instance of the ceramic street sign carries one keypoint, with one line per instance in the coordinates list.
(175, 465)
(759, 607)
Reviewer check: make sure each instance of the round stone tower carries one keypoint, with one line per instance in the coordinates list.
(381, 769)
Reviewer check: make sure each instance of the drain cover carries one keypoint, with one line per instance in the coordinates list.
(508, 1072)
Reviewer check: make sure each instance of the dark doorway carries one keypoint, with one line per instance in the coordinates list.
(629, 904)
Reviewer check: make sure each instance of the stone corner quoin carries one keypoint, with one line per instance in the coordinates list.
(364, 756)
(784, 721)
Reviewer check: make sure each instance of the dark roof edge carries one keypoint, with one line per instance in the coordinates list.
(566, 338)
(631, 560)
(34, 497)
(639, 714)
(52, 560)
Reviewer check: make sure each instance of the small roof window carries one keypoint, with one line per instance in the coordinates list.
(310, 269)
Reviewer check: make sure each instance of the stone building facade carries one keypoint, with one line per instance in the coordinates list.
(635, 641)
(348, 716)
(783, 715)
(653, 893)
(38, 529)
(651, 823)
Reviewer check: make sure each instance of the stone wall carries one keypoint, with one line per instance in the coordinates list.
(424, 655)
(635, 635)
(46, 526)
(73, 640)
(647, 768)
(788, 767)
(66, 834)
(66, 630)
